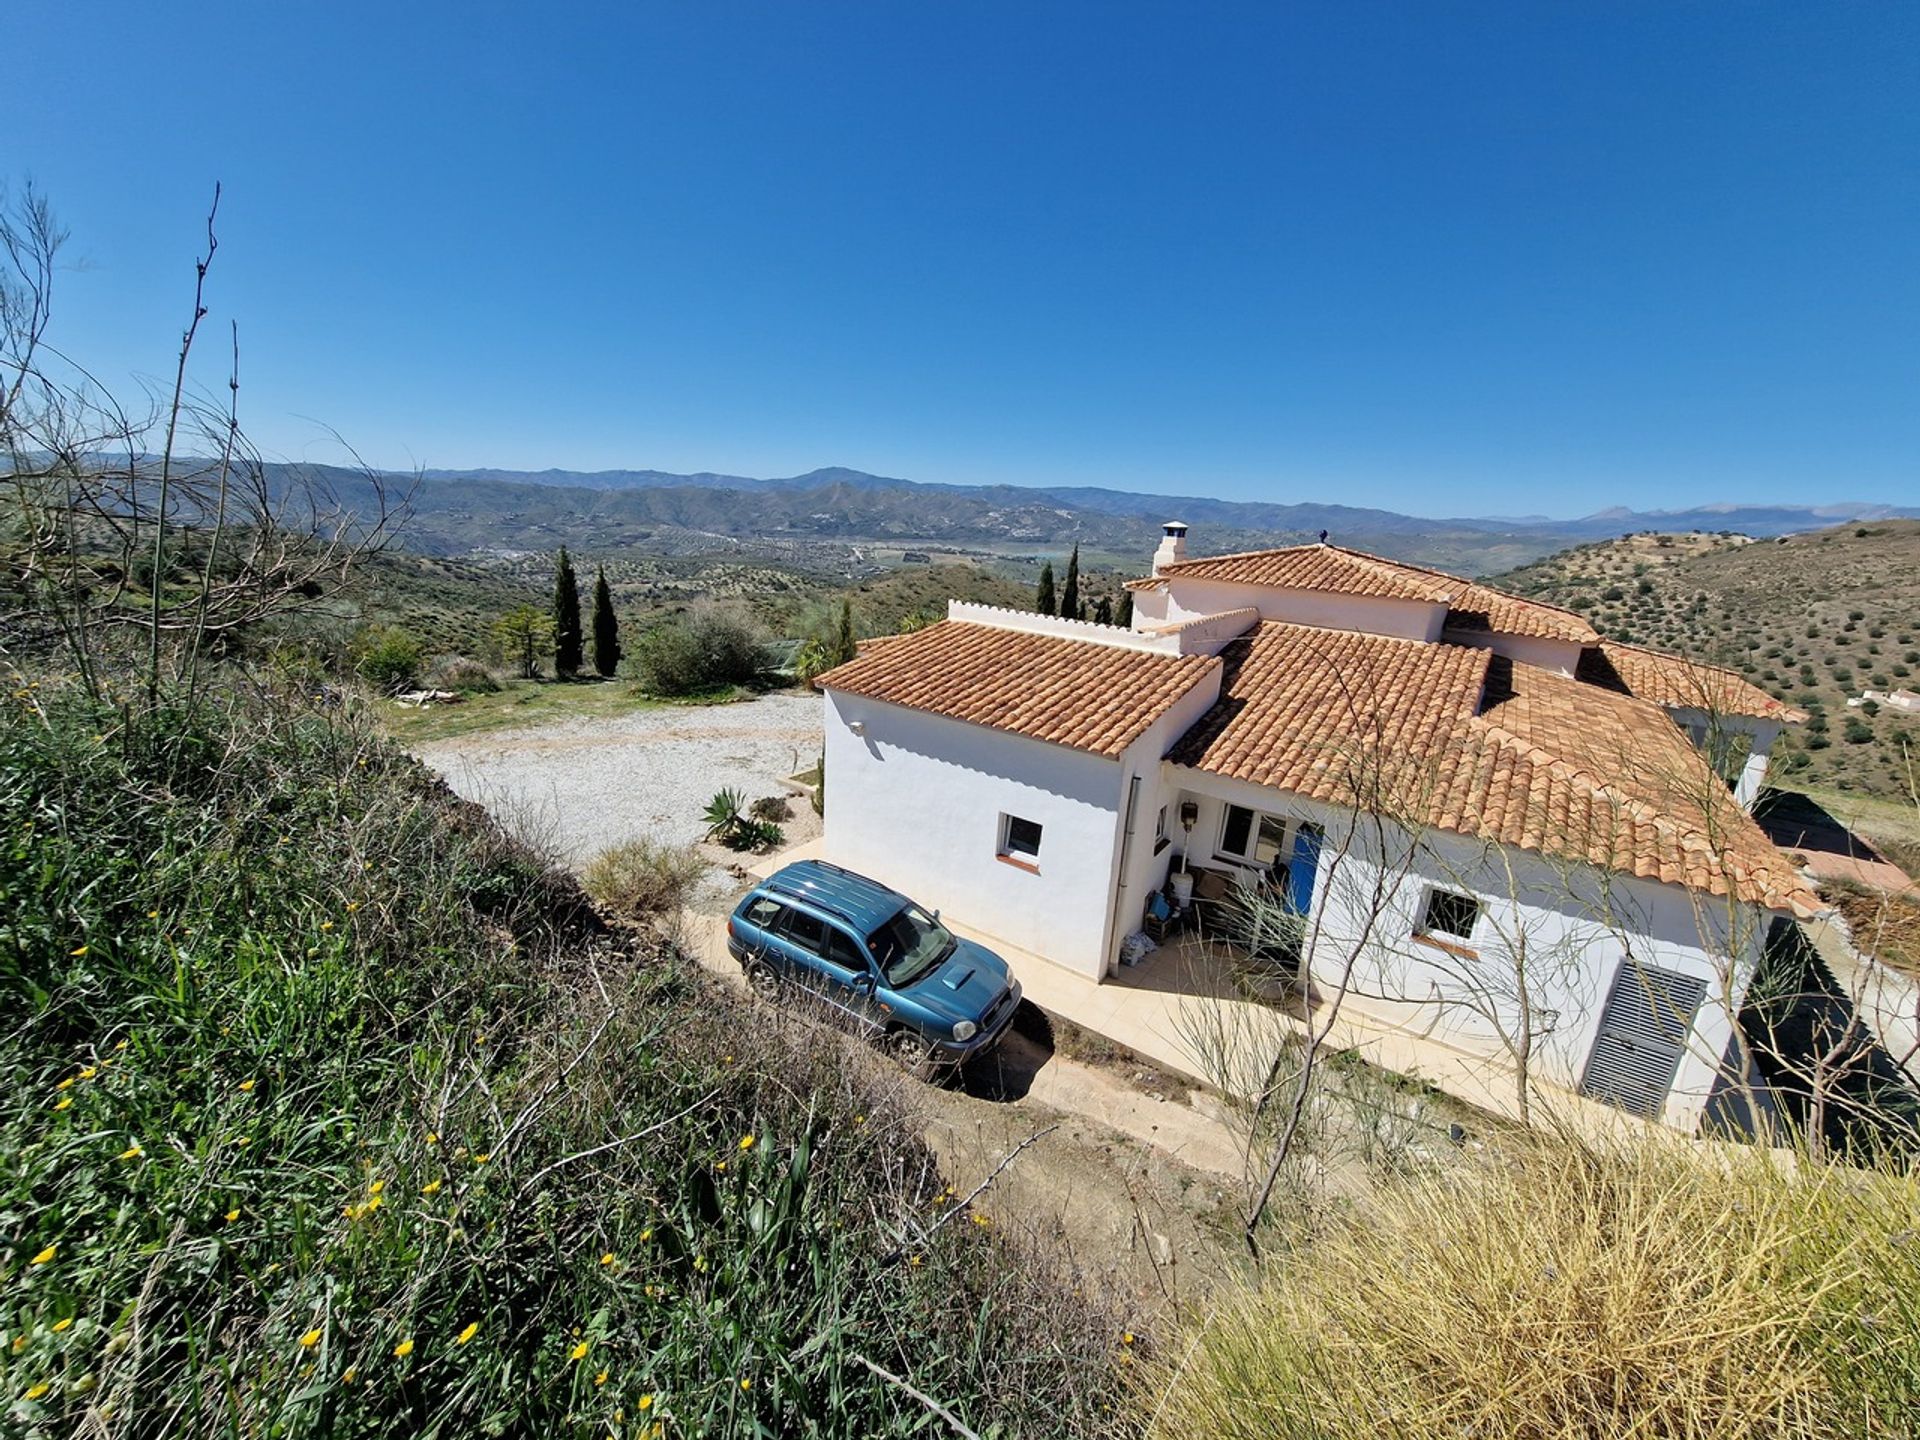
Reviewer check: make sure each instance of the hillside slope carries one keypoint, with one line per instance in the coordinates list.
(1814, 618)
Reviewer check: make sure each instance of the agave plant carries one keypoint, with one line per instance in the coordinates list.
(723, 815)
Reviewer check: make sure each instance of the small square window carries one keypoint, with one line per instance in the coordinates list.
(1019, 838)
(1450, 913)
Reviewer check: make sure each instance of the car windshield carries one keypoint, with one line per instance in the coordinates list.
(909, 945)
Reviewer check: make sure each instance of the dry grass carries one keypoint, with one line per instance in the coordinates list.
(643, 878)
(1559, 1292)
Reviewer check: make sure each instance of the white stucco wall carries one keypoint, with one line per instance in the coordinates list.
(1576, 928)
(1186, 598)
(916, 801)
(1561, 657)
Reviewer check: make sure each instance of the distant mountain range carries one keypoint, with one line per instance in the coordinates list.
(828, 514)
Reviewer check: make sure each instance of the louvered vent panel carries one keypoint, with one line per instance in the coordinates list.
(1643, 1034)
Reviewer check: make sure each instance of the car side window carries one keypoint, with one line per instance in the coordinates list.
(842, 950)
(807, 931)
(765, 913)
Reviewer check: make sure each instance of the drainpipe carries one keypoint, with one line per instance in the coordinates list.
(1114, 936)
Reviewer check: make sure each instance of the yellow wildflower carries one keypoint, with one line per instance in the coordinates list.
(349, 1375)
(352, 905)
(310, 1339)
(482, 1159)
(19, 1343)
(233, 1214)
(1126, 1338)
(432, 1187)
(746, 1142)
(647, 1234)
(644, 1403)
(34, 1392)
(132, 1152)
(78, 950)
(978, 1219)
(467, 1334)
(746, 1383)
(913, 1262)
(66, 1084)
(859, 1119)
(579, 1352)
(246, 1087)
(376, 1187)
(606, 1259)
(433, 1137)
(721, 1166)
(45, 1255)
(601, 1378)
(60, 1326)
(87, 1072)
(326, 924)
(121, 1046)
(404, 1348)
(63, 1102)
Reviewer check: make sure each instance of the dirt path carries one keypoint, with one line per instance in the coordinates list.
(1135, 1189)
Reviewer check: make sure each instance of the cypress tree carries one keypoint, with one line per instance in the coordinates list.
(1123, 612)
(1103, 611)
(844, 646)
(1043, 601)
(566, 618)
(1070, 593)
(606, 628)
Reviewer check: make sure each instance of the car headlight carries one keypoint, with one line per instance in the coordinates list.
(964, 1030)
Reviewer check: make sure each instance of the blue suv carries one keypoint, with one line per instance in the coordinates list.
(877, 959)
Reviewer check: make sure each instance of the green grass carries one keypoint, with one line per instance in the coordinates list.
(324, 1109)
(517, 703)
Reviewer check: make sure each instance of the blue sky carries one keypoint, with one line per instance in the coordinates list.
(1491, 259)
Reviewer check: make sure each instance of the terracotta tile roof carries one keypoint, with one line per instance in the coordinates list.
(1322, 567)
(1335, 568)
(1674, 680)
(1468, 741)
(1077, 693)
(1481, 608)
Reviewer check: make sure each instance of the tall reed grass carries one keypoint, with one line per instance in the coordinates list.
(1552, 1290)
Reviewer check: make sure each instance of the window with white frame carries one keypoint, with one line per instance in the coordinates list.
(1252, 838)
(1449, 915)
(1019, 839)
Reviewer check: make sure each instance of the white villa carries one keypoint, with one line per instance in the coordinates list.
(1496, 825)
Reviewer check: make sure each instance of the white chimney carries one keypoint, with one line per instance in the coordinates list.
(1173, 545)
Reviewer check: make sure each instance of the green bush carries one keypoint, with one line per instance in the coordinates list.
(389, 659)
(643, 878)
(325, 1109)
(702, 651)
(469, 677)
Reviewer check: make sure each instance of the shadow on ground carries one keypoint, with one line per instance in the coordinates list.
(1005, 1073)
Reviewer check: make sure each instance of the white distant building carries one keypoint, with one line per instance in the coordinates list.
(1437, 774)
(1903, 699)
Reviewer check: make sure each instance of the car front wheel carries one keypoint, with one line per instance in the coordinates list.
(911, 1052)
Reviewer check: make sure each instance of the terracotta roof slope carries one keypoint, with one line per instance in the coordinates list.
(1086, 696)
(1468, 741)
(1675, 681)
(1482, 608)
(1322, 567)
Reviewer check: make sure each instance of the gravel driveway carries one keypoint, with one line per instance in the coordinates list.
(583, 785)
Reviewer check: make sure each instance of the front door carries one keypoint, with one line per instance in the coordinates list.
(1302, 867)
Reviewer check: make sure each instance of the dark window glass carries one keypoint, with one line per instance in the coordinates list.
(1450, 913)
(1023, 837)
(765, 913)
(1239, 828)
(842, 950)
(807, 930)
